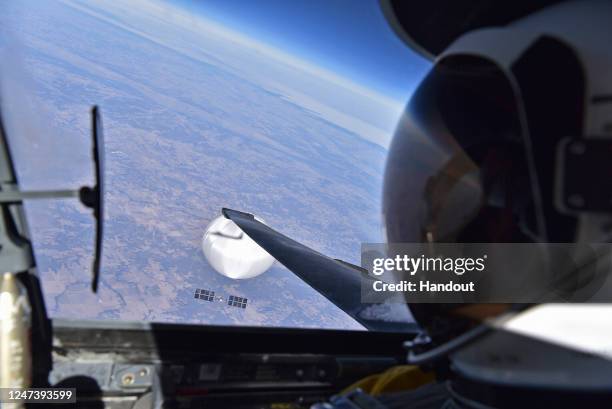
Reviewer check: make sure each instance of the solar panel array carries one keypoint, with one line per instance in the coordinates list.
(209, 295)
(206, 295)
(237, 301)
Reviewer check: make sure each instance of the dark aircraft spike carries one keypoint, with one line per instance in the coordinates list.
(94, 197)
(337, 281)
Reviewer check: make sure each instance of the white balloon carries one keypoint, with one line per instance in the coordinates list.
(231, 252)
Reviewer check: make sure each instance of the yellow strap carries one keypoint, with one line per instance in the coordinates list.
(395, 379)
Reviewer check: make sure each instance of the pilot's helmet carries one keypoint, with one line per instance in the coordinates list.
(508, 139)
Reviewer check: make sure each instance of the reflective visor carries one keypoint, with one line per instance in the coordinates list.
(457, 169)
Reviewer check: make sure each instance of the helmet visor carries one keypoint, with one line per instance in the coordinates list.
(458, 169)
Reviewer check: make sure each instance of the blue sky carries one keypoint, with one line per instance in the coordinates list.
(349, 37)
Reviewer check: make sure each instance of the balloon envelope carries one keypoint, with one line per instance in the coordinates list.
(231, 252)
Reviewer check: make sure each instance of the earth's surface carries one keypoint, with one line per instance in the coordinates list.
(195, 119)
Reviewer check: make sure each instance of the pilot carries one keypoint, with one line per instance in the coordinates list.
(508, 139)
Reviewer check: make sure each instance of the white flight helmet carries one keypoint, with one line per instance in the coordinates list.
(508, 139)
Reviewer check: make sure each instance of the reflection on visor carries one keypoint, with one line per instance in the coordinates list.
(457, 169)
